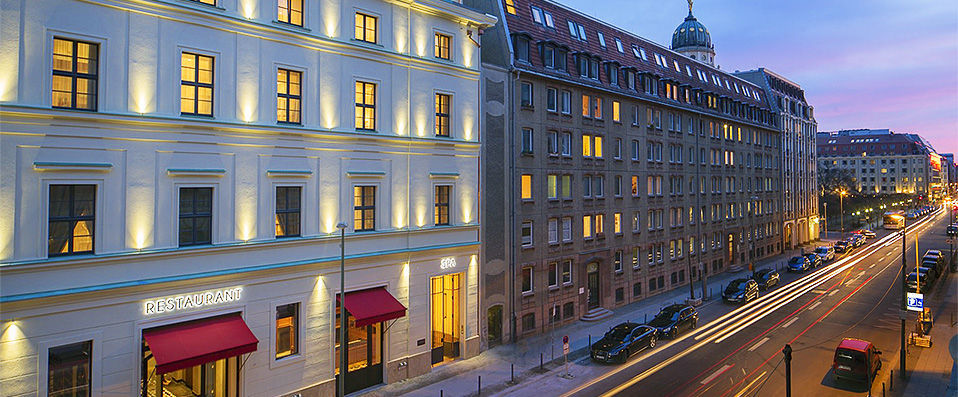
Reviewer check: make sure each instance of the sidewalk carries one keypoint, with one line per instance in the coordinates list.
(462, 378)
(934, 372)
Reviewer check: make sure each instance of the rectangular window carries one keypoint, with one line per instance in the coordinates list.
(567, 229)
(196, 84)
(599, 224)
(586, 109)
(566, 144)
(287, 327)
(527, 234)
(552, 99)
(443, 46)
(69, 370)
(587, 226)
(553, 230)
(71, 219)
(365, 106)
(617, 186)
(552, 189)
(635, 222)
(364, 208)
(288, 200)
(567, 272)
(443, 102)
(75, 74)
(526, 186)
(586, 145)
(599, 185)
(566, 186)
(511, 6)
(525, 99)
(527, 140)
(554, 274)
(597, 147)
(615, 112)
(366, 27)
(526, 280)
(209, 2)
(553, 141)
(617, 261)
(290, 11)
(441, 206)
(635, 257)
(597, 108)
(587, 186)
(617, 223)
(196, 215)
(289, 96)
(566, 102)
(617, 150)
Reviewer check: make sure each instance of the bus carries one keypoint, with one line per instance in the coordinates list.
(894, 220)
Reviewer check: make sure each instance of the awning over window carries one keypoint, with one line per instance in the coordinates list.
(373, 305)
(197, 342)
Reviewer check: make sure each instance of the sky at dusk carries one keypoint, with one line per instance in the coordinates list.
(863, 64)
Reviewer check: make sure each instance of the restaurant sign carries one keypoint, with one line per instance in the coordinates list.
(191, 301)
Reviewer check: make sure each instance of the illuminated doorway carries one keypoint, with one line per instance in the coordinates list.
(445, 317)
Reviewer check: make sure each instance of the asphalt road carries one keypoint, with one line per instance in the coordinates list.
(739, 353)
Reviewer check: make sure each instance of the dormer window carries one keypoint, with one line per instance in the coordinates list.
(601, 39)
(577, 31)
(618, 45)
(521, 47)
(612, 70)
(537, 15)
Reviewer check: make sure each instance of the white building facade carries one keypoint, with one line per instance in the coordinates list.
(173, 173)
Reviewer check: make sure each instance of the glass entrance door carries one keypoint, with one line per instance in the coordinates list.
(445, 317)
(213, 379)
(593, 280)
(364, 366)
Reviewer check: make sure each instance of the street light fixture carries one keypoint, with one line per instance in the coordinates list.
(342, 309)
(841, 210)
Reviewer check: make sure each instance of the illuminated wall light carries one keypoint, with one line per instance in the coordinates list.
(420, 215)
(246, 212)
(10, 61)
(140, 216)
(12, 332)
(248, 8)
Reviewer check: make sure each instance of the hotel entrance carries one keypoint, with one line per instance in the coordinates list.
(445, 317)
(368, 313)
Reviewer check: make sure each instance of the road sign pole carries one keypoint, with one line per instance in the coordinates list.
(788, 370)
(904, 290)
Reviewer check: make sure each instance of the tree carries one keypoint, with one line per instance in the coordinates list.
(834, 179)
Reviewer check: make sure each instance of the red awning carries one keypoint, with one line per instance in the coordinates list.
(373, 305)
(197, 342)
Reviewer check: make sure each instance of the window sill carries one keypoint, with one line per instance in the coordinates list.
(291, 26)
(526, 294)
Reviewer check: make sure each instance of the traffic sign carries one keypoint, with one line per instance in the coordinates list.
(915, 302)
(565, 345)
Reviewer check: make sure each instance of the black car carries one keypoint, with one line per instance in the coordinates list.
(952, 230)
(622, 341)
(673, 319)
(740, 290)
(766, 278)
(814, 260)
(842, 246)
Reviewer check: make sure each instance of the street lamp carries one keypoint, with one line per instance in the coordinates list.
(841, 210)
(342, 308)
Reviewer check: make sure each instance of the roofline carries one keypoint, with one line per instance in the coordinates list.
(647, 41)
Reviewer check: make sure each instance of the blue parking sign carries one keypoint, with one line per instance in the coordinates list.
(915, 302)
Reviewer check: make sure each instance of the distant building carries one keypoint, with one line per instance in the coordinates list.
(948, 164)
(796, 119)
(884, 162)
(614, 169)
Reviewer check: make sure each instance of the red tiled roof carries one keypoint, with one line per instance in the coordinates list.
(523, 23)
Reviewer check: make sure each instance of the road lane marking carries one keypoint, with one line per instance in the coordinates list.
(756, 346)
(818, 291)
(716, 373)
(815, 305)
(873, 265)
(833, 292)
(790, 322)
(752, 383)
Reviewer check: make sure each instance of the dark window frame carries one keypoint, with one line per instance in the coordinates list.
(443, 46)
(290, 310)
(287, 210)
(443, 194)
(366, 208)
(290, 11)
(75, 75)
(362, 105)
(194, 215)
(288, 97)
(72, 218)
(366, 18)
(196, 85)
(74, 362)
(443, 112)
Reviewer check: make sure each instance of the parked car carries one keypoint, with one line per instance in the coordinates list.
(937, 265)
(928, 272)
(856, 360)
(798, 264)
(622, 341)
(740, 290)
(857, 240)
(916, 283)
(766, 278)
(673, 319)
(868, 233)
(842, 247)
(935, 253)
(826, 253)
(952, 230)
(814, 260)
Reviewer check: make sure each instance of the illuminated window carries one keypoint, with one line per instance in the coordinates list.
(441, 205)
(586, 110)
(526, 182)
(567, 186)
(196, 86)
(195, 216)
(597, 109)
(586, 226)
(597, 148)
(443, 46)
(511, 6)
(551, 186)
(615, 111)
(288, 96)
(71, 219)
(365, 106)
(74, 74)
(210, 2)
(635, 186)
(586, 145)
(442, 114)
(287, 324)
(567, 272)
(290, 11)
(364, 208)
(599, 224)
(366, 27)
(288, 211)
(617, 223)
(69, 369)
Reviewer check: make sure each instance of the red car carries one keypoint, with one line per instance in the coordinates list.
(857, 360)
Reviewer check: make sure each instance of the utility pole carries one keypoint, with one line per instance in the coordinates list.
(904, 288)
(788, 370)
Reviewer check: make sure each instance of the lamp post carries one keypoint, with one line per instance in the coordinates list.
(841, 210)
(904, 289)
(343, 345)
(826, 218)
(753, 235)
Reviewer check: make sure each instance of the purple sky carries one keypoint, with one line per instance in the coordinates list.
(863, 64)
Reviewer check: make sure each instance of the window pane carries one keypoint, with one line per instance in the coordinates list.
(68, 369)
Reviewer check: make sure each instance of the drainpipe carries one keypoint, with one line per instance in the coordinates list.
(514, 249)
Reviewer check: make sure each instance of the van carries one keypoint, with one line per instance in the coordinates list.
(825, 252)
(856, 360)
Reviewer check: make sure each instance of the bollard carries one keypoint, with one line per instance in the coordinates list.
(479, 390)
(440, 392)
(540, 361)
(883, 389)
(646, 318)
(590, 341)
(512, 373)
(891, 380)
